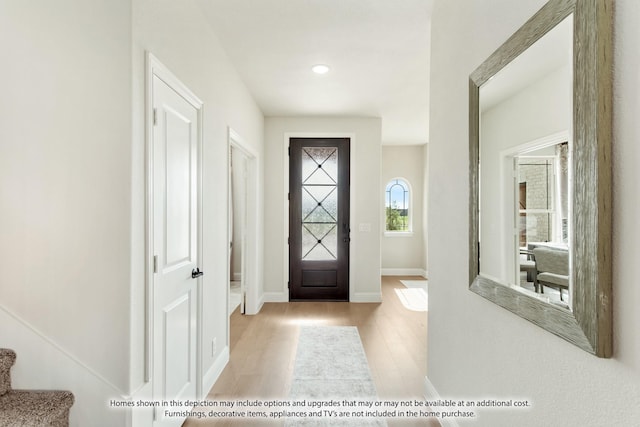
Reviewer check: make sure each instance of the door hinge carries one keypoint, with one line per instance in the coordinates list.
(155, 116)
(288, 196)
(289, 150)
(155, 263)
(288, 240)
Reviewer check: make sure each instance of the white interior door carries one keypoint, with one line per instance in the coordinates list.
(245, 169)
(238, 223)
(176, 244)
(243, 239)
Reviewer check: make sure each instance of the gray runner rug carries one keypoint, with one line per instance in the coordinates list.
(331, 364)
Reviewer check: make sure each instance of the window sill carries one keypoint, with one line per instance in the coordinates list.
(398, 234)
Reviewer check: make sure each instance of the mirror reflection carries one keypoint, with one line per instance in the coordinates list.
(525, 173)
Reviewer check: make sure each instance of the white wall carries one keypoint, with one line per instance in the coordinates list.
(538, 111)
(65, 194)
(42, 364)
(477, 349)
(178, 35)
(365, 195)
(401, 253)
(425, 208)
(72, 168)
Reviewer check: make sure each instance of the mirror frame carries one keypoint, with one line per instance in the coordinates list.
(589, 324)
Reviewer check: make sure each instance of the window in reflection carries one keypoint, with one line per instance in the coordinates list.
(541, 207)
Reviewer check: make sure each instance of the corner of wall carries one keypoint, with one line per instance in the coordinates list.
(214, 372)
(431, 394)
(275, 297)
(366, 297)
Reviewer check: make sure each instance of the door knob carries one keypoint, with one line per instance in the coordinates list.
(196, 273)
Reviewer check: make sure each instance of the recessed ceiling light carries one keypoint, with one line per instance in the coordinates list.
(320, 69)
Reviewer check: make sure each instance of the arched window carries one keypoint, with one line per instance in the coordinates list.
(397, 206)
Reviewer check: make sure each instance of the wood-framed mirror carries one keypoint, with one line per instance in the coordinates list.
(540, 173)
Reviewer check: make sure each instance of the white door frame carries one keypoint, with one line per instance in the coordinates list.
(155, 68)
(251, 248)
(237, 220)
(508, 180)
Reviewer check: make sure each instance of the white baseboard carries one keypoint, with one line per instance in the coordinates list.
(275, 297)
(430, 393)
(215, 371)
(141, 416)
(403, 272)
(252, 309)
(366, 297)
(41, 363)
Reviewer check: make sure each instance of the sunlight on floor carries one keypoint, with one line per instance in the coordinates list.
(414, 299)
(309, 321)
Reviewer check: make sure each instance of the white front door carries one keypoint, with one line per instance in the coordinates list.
(176, 234)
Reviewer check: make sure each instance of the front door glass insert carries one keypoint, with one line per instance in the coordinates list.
(319, 203)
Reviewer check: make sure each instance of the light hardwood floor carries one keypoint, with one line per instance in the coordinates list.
(263, 349)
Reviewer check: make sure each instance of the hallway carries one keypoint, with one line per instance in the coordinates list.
(263, 349)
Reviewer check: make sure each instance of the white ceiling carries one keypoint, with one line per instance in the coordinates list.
(550, 53)
(378, 51)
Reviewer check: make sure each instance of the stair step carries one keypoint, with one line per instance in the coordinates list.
(44, 408)
(7, 359)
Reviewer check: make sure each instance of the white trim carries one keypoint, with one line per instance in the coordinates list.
(253, 243)
(275, 297)
(398, 233)
(403, 272)
(216, 369)
(352, 203)
(536, 144)
(155, 68)
(260, 303)
(431, 394)
(42, 363)
(366, 297)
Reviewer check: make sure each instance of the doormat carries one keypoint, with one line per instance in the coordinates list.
(331, 365)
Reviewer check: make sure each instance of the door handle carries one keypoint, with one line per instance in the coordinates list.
(195, 273)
